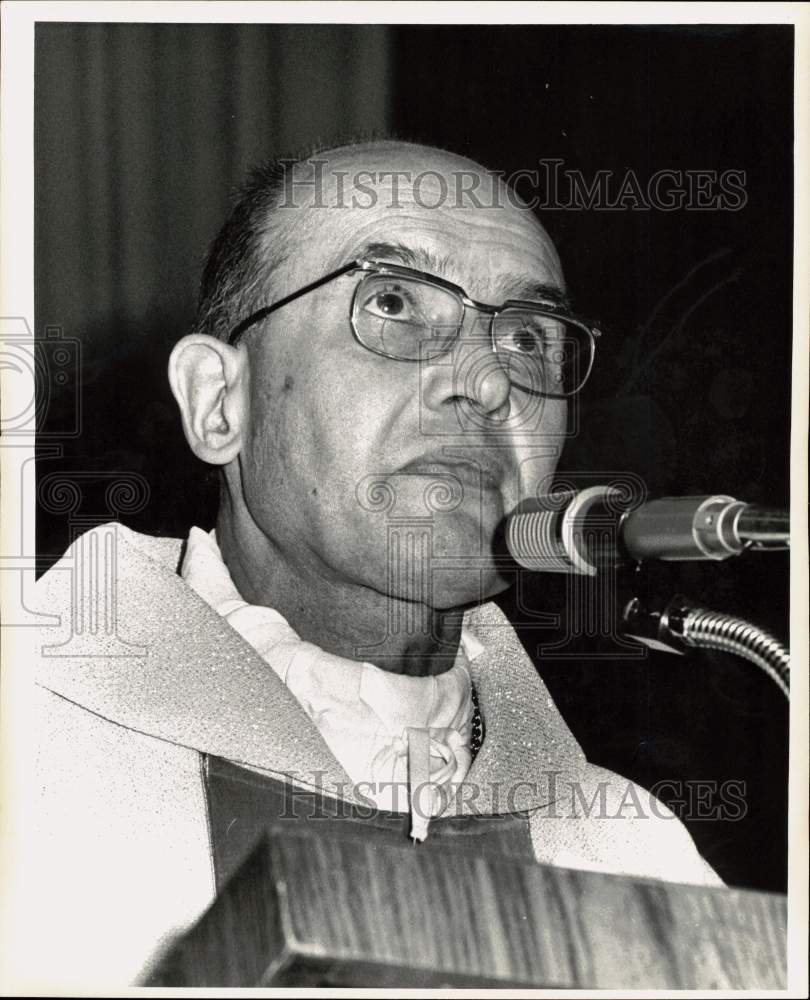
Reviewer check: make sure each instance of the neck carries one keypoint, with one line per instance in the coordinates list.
(341, 617)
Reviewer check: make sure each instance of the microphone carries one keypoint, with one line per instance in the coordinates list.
(588, 530)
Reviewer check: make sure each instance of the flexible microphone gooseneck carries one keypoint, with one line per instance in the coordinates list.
(591, 530)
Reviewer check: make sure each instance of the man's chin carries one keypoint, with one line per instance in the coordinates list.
(455, 588)
(445, 561)
(443, 581)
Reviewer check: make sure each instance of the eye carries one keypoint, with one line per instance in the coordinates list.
(389, 303)
(392, 302)
(527, 341)
(522, 336)
(531, 335)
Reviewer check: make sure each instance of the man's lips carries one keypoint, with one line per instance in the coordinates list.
(465, 469)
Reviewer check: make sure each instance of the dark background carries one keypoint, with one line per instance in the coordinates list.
(142, 132)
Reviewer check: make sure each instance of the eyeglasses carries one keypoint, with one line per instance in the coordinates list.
(408, 315)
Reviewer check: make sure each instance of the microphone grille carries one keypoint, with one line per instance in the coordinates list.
(534, 541)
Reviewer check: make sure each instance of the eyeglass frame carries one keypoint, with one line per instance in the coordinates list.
(547, 308)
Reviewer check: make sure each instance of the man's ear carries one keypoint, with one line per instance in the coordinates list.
(209, 381)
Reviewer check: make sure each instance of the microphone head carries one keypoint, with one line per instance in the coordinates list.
(534, 535)
(566, 532)
(588, 530)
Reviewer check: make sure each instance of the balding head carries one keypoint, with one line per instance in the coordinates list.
(332, 199)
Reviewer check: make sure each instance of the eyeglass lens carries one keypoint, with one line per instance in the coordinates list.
(406, 318)
(409, 319)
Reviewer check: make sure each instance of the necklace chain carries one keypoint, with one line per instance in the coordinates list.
(477, 737)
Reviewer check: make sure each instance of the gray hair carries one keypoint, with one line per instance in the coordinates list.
(253, 243)
(245, 252)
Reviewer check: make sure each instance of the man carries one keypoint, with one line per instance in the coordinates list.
(329, 650)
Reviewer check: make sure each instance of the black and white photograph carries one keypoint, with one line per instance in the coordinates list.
(404, 539)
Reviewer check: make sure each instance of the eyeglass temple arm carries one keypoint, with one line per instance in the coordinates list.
(261, 314)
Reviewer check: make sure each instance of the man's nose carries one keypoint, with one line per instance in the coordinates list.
(472, 374)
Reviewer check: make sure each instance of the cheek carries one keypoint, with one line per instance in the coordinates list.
(306, 440)
(272, 439)
(536, 456)
(557, 416)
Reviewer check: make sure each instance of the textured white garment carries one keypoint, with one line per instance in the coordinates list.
(400, 738)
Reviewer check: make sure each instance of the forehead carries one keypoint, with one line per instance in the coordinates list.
(442, 210)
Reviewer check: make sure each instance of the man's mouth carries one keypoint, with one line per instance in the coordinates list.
(467, 471)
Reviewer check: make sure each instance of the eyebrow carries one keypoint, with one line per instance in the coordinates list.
(419, 258)
(422, 259)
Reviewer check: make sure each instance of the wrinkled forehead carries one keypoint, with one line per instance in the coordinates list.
(448, 214)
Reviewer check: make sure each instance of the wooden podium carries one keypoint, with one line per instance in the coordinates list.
(309, 910)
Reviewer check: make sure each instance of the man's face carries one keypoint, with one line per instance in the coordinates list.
(390, 474)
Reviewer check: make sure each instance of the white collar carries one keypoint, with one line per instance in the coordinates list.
(367, 716)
